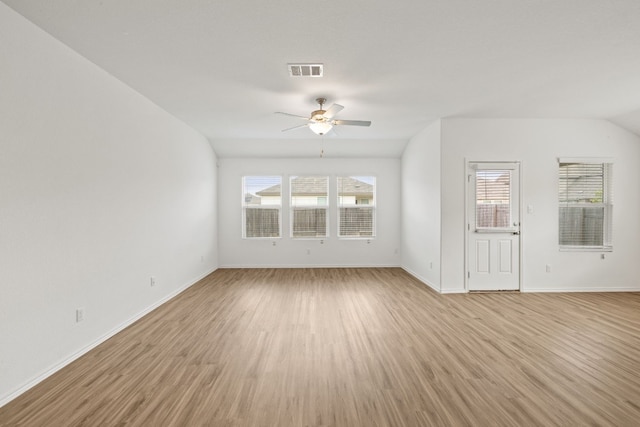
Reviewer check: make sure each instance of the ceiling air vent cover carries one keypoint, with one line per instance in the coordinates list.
(305, 70)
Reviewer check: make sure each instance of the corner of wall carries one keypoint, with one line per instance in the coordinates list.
(420, 201)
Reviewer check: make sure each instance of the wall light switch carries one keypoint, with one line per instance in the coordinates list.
(529, 209)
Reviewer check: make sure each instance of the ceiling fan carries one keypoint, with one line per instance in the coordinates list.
(322, 121)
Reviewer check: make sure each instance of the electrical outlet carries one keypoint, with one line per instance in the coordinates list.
(79, 315)
(152, 281)
(548, 268)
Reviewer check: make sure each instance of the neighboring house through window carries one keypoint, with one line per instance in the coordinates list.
(356, 206)
(261, 206)
(309, 206)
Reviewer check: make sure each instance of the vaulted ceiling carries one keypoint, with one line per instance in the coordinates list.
(221, 66)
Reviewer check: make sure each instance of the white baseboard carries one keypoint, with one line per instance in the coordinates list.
(454, 291)
(310, 266)
(574, 290)
(56, 367)
(422, 279)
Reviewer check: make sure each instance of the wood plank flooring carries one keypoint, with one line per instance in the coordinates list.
(353, 347)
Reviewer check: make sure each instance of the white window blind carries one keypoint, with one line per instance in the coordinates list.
(261, 206)
(356, 206)
(493, 198)
(585, 202)
(309, 196)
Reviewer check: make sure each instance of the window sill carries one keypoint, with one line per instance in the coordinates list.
(356, 238)
(310, 238)
(262, 238)
(586, 248)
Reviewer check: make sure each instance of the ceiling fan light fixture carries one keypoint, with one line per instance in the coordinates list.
(322, 121)
(320, 128)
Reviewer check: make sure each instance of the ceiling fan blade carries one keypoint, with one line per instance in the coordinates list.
(332, 111)
(292, 115)
(352, 122)
(292, 128)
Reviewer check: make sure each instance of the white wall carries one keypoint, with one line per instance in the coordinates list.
(421, 206)
(381, 251)
(99, 190)
(538, 144)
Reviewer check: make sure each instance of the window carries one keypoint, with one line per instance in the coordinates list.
(261, 205)
(584, 195)
(356, 206)
(493, 198)
(309, 206)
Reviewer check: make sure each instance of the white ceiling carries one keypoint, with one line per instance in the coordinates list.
(220, 66)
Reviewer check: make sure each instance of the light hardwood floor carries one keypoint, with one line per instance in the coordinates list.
(353, 347)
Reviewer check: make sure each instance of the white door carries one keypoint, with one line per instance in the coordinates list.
(493, 226)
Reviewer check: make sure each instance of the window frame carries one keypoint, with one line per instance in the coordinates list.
(246, 207)
(370, 206)
(292, 208)
(606, 205)
(493, 169)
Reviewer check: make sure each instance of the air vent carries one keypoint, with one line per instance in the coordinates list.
(305, 70)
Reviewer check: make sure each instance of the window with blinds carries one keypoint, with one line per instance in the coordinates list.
(493, 198)
(309, 195)
(585, 204)
(261, 206)
(356, 206)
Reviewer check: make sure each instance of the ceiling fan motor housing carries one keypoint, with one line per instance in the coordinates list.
(318, 116)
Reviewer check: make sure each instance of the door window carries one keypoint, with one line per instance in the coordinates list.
(493, 198)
